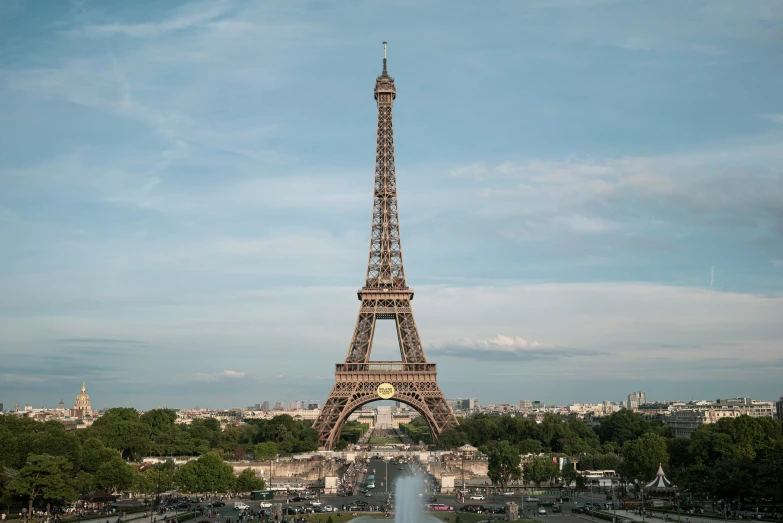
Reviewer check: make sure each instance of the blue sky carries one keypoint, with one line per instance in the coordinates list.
(590, 193)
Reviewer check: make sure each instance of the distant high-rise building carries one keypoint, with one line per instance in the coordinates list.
(463, 404)
(279, 405)
(778, 408)
(312, 406)
(537, 405)
(265, 405)
(1, 406)
(635, 400)
(525, 404)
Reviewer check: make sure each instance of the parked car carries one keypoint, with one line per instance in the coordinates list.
(218, 504)
(329, 508)
(557, 509)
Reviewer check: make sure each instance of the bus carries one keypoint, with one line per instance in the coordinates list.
(439, 507)
(371, 481)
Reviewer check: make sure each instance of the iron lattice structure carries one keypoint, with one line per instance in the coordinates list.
(385, 296)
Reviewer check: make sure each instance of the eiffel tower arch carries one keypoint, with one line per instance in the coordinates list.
(385, 296)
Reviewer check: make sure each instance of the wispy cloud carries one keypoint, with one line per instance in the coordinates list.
(102, 341)
(505, 348)
(183, 18)
(777, 118)
(234, 374)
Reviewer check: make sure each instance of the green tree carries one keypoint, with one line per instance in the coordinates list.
(84, 483)
(621, 426)
(248, 482)
(44, 479)
(114, 475)
(770, 473)
(52, 438)
(542, 469)
(530, 446)
(121, 429)
(643, 456)
(209, 473)
(95, 453)
(266, 450)
(503, 464)
(572, 478)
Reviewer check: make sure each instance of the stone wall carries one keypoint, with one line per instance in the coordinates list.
(473, 468)
(288, 471)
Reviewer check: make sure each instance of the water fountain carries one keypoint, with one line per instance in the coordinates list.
(408, 504)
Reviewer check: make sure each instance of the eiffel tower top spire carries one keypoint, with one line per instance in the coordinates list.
(385, 73)
(385, 269)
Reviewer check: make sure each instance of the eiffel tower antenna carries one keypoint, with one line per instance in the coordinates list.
(385, 296)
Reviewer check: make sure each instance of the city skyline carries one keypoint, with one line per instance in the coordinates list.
(588, 197)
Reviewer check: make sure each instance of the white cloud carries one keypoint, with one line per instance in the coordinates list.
(497, 343)
(234, 374)
(777, 118)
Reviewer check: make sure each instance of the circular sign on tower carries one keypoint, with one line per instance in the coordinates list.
(385, 390)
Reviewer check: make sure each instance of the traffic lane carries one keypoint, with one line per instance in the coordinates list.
(386, 474)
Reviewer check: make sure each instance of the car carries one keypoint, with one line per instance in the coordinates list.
(541, 511)
(238, 505)
(218, 504)
(509, 493)
(530, 499)
(368, 494)
(292, 510)
(265, 504)
(329, 508)
(476, 497)
(557, 509)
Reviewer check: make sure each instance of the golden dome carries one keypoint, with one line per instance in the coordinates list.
(82, 400)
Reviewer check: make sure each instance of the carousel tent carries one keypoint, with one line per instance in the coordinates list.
(660, 482)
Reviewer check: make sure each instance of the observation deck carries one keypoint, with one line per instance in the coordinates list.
(390, 371)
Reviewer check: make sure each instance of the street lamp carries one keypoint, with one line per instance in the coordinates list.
(386, 476)
(677, 499)
(614, 502)
(642, 502)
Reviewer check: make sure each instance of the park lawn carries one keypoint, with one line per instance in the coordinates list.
(376, 440)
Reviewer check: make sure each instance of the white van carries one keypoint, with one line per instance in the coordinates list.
(238, 505)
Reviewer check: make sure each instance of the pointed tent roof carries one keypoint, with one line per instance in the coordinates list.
(660, 482)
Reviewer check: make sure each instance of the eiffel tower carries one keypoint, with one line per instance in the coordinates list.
(385, 296)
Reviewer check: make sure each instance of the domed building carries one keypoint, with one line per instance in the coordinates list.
(82, 408)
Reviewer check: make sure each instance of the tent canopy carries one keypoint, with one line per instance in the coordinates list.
(660, 482)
